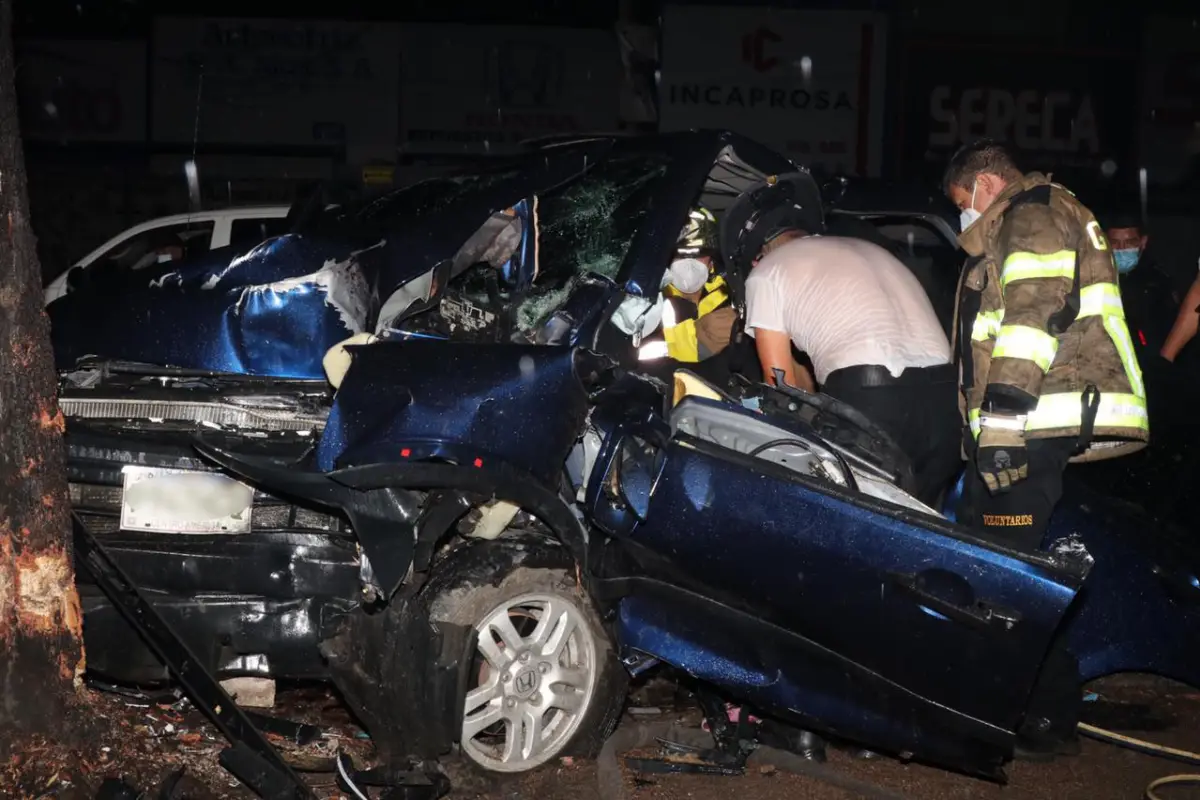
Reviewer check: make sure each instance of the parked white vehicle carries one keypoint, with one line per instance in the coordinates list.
(182, 235)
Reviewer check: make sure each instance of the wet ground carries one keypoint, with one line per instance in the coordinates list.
(148, 740)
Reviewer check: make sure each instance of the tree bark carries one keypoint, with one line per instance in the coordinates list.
(41, 630)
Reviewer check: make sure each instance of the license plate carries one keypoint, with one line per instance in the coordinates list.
(163, 500)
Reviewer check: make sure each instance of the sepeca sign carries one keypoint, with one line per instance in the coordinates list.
(1053, 121)
(1057, 111)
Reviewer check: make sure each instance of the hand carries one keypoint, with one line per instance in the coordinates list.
(1002, 458)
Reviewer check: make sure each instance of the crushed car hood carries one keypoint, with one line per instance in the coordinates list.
(275, 310)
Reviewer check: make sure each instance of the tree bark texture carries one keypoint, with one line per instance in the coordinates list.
(41, 630)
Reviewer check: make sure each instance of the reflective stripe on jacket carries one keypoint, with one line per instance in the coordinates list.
(1040, 320)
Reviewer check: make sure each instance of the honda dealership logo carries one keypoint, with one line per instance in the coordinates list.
(754, 49)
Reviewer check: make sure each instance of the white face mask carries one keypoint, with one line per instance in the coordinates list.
(969, 215)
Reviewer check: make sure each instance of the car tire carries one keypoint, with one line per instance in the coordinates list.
(533, 688)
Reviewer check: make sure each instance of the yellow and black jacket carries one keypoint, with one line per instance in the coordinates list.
(693, 332)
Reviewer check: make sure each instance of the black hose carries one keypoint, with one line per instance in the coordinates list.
(776, 443)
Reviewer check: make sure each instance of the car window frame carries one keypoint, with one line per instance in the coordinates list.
(157, 230)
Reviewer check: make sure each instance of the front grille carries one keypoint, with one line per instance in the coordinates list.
(222, 414)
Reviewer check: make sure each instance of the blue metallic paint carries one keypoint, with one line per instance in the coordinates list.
(458, 402)
(263, 312)
(811, 560)
(1140, 608)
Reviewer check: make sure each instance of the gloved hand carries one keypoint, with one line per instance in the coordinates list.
(1001, 457)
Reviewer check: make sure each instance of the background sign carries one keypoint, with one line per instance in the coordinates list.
(277, 82)
(807, 83)
(82, 91)
(484, 89)
(1061, 112)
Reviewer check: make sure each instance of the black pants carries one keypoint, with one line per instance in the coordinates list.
(919, 410)
(1021, 514)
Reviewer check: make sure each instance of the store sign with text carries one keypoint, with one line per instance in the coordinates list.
(1056, 111)
(82, 90)
(485, 89)
(807, 83)
(277, 82)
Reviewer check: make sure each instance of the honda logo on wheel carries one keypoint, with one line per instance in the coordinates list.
(754, 49)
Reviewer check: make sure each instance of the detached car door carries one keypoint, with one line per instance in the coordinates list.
(882, 624)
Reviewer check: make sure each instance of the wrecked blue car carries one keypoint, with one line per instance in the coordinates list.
(497, 516)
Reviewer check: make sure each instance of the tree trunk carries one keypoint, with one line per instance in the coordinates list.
(41, 629)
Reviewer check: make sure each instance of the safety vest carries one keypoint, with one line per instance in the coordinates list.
(677, 338)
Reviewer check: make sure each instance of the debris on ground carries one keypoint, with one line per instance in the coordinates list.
(153, 737)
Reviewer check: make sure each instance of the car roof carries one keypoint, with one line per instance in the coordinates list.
(219, 213)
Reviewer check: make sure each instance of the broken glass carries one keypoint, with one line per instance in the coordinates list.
(588, 226)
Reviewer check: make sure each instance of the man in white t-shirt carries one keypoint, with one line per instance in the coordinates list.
(874, 340)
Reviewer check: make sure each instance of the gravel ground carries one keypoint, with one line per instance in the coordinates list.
(146, 741)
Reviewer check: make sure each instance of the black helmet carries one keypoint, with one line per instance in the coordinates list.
(767, 209)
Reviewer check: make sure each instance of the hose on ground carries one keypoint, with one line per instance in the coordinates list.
(1151, 749)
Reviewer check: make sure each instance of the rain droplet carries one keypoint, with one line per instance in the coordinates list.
(806, 68)
(192, 174)
(1144, 188)
(1108, 168)
(487, 146)
(525, 364)
(51, 110)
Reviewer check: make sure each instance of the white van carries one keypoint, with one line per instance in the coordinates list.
(179, 236)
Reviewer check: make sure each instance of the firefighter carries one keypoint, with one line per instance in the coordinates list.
(697, 314)
(1046, 362)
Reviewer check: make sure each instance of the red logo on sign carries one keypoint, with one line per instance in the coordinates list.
(754, 46)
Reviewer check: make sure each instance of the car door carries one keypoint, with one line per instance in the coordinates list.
(901, 630)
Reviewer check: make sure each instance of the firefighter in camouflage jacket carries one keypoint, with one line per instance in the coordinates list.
(1046, 363)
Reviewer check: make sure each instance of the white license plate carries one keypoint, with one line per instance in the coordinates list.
(163, 500)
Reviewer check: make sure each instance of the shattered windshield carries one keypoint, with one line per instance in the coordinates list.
(588, 226)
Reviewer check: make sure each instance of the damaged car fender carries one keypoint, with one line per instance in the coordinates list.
(404, 457)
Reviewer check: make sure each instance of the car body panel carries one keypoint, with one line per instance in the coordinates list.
(1141, 609)
(843, 591)
(394, 405)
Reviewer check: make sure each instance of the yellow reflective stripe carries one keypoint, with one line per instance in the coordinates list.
(1118, 331)
(681, 341)
(1101, 299)
(986, 325)
(1065, 410)
(716, 283)
(711, 302)
(1020, 266)
(1022, 341)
